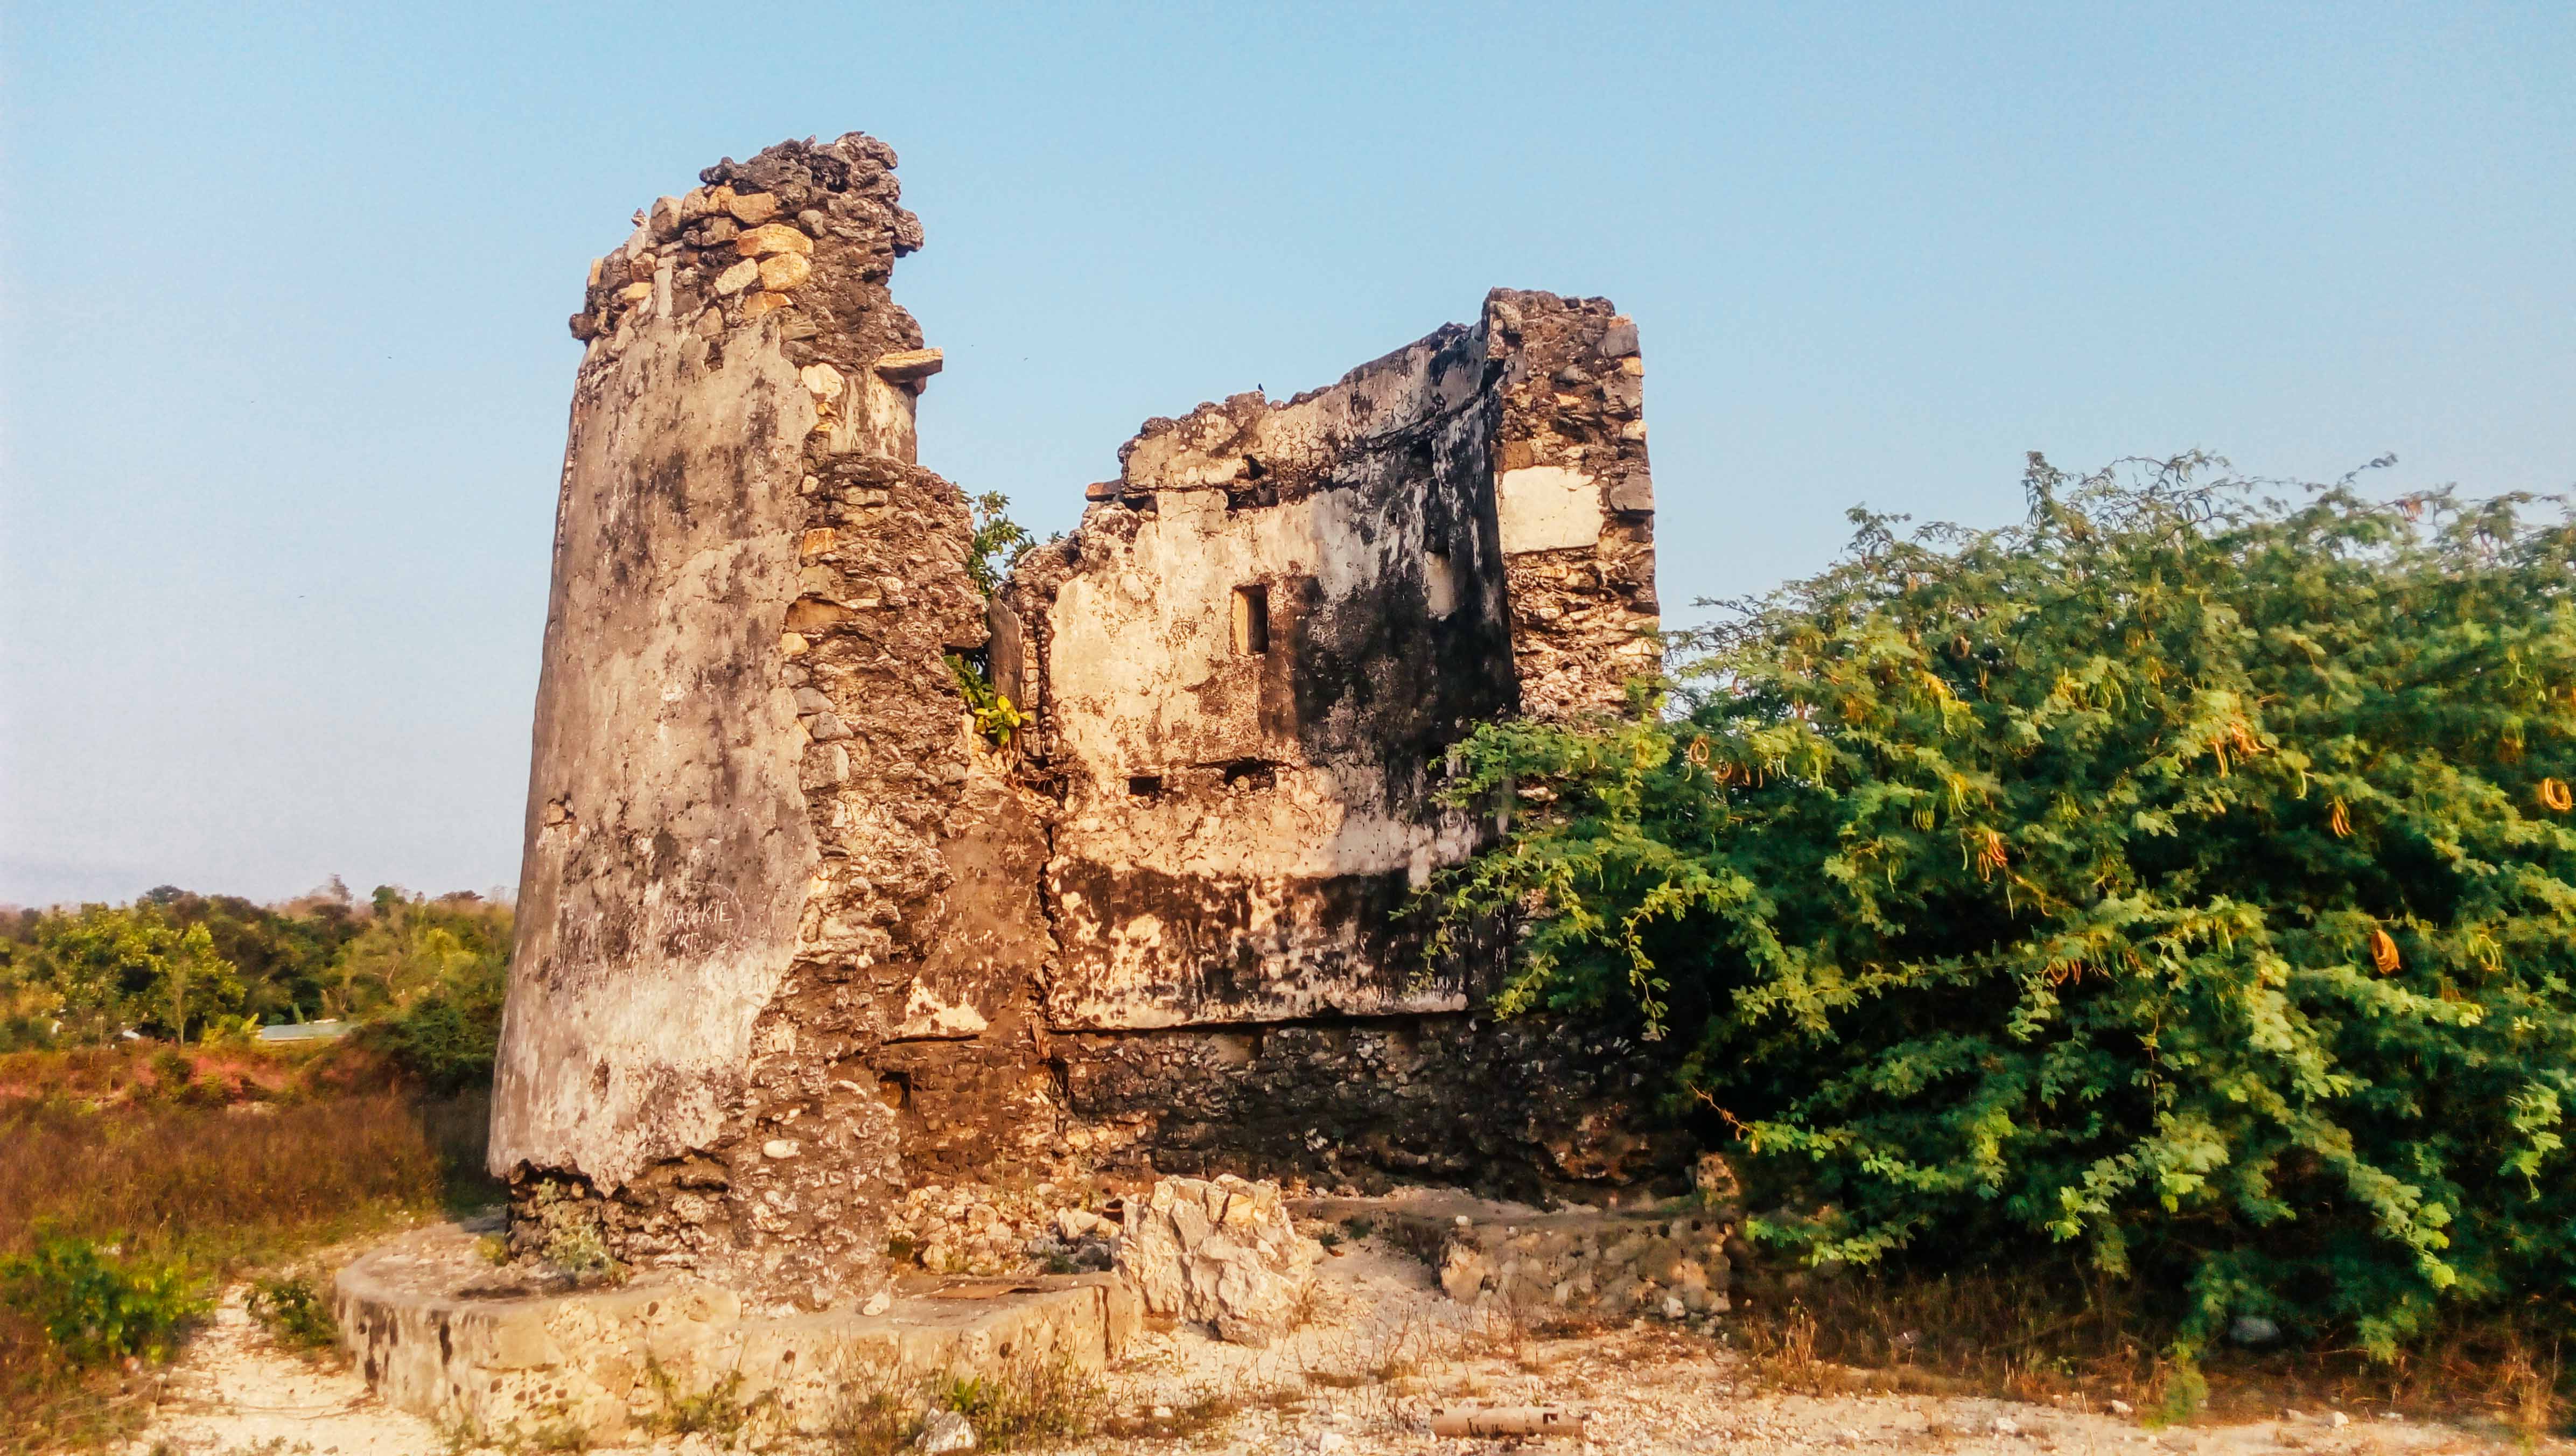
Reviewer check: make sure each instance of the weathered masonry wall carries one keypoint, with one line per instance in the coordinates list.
(1526, 1108)
(1246, 666)
(1256, 649)
(1248, 660)
(752, 784)
(1577, 500)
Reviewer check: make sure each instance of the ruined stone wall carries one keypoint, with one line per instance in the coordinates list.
(1255, 649)
(1455, 533)
(1534, 1108)
(1576, 499)
(755, 792)
(792, 930)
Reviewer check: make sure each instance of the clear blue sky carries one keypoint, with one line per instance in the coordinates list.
(283, 367)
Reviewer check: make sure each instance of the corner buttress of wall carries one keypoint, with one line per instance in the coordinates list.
(1577, 501)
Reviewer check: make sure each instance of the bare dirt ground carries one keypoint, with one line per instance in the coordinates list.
(1383, 1353)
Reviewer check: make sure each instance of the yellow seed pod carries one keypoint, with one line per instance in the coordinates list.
(2383, 952)
(2555, 797)
(1993, 853)
(2337, 820)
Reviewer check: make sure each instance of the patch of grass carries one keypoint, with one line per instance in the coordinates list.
(295, 1313)
(96, 1304)
(1192, 1417)
(718, 1410)
(873, 1414)
(1027, 1402)
(560, 1434)
(212, 1192)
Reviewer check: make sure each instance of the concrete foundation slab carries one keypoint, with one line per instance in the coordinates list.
(441, 1332)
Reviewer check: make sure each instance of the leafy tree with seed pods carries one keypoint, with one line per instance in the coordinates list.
(2185, 875)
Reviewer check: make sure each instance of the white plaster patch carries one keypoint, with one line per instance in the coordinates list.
(658, 975)
(1548, 508)
(925, 1015)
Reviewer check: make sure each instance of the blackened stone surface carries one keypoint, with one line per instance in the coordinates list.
(1517, 1109)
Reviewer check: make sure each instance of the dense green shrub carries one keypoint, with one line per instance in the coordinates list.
(95, 1306)
(2180, 875)
(449, 1036)
(293, 1311)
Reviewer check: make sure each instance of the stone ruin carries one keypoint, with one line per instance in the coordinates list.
(795, 929)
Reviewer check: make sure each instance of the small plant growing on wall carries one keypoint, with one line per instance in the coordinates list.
(998, 544)
(569, 1236)
(996, 716)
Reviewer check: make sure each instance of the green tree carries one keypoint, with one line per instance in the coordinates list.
(2180, 875)
(284, 960)
(111, 968)
(998, 544)
(410, 946)
(429, 975)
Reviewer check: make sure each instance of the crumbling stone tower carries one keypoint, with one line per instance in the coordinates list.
(791, 928)
(747, 743)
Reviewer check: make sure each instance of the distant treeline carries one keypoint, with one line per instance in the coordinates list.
(422, 976)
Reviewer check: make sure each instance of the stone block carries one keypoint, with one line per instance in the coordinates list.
(751, 209)
(780, 272)
(910, 366)
(1221, 1253)
(769, 238)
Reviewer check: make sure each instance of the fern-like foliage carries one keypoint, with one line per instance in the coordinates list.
(2183, 872)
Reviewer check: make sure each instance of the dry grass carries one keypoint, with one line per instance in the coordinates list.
(1028, 1402)
(110, 1149)
(874, 1414)
(2052, 1337)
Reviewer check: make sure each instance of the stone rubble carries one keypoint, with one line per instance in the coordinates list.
(979, 1230)
(1221, 1253)
(1674, 1260)
(945, 1431)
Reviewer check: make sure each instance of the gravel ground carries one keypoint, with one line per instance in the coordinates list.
(1383, 1352)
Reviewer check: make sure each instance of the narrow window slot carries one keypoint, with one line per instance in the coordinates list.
(1439, 583)
(1145, 786)
(1251, 621)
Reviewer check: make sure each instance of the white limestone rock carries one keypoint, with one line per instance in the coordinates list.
(1221, 1253)
(945, 1431)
